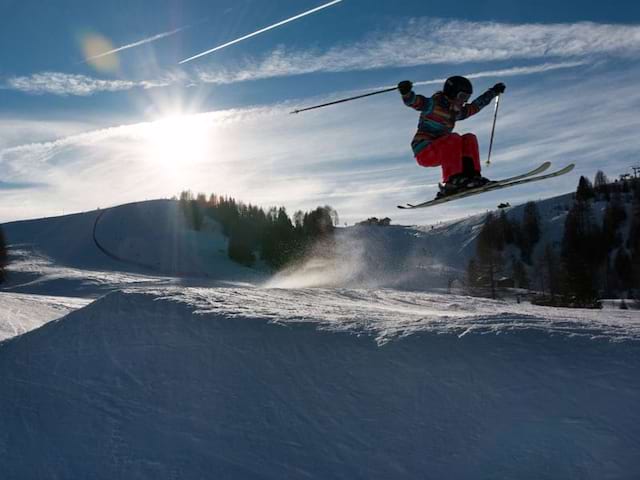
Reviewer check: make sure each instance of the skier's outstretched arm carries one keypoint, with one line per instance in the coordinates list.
(482, 101)
(411, 99)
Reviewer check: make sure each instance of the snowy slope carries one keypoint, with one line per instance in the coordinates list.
(20, 313)
(232, 383)
(115, 246)
(161, 359)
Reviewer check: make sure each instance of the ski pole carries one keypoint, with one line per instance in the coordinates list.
(493, 129)
(345, 100)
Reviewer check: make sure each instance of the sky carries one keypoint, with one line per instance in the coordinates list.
(96, 108)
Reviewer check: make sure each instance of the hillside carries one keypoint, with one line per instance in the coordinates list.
(115, 246)
(132, 357)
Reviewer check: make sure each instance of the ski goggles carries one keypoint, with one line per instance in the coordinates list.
(463, 97)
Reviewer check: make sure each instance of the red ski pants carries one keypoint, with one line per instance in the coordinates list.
(448, 151)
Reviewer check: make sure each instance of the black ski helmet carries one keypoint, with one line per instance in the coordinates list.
(455, 85)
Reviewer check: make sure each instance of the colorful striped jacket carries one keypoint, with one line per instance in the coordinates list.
(437, 117)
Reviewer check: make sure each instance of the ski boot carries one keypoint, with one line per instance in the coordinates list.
(459, 183)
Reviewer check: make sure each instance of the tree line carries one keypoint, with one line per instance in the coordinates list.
(255, 234)
(593, 259)
(3, 256)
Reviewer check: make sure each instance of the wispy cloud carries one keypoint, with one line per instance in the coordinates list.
(418, 42)
(426, 41)
(18, 185)
(508, 72)
(361, 168)
(58, 83)
(511, 72)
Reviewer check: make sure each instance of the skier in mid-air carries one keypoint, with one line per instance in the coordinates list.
(435, 144)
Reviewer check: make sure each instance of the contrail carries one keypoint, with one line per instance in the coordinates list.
(308, 12)
(135, 44)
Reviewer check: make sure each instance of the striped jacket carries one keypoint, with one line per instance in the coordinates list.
(437, 116)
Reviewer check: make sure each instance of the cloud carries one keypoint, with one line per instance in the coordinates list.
(361, 168)
(510, 72)
(58, 83)
(418, 42)
(426, 41)
(18, 185)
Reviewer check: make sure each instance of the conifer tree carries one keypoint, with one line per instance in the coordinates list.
(472, 277)
(601, 184)
(585, 190)
(240, 248)
(547, 268)
(623, 269)
(519, 272)
(3, 256)
(489, 260)
(633, 242)
(582, 253)
(530, 231)
(613, 219)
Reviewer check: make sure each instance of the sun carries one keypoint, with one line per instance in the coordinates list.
(178, 141)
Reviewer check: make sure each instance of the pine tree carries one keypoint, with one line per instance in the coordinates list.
(3, 256)
(552, 269)
(508, 230)
(489, 260)
(585, 190)
(582, 253)
(623, 269)
(613, 219)
(530, 231)
(240, 248)
(633, 242)
(192, 212)
(279, 245)
(520, 277)
(601, 184)
(472, 277)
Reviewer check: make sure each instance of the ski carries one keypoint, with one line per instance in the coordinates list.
(541, 168)
(532, 176)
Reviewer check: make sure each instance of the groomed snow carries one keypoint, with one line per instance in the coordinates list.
(161, 359)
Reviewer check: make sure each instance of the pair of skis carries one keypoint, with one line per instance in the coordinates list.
(531, 176)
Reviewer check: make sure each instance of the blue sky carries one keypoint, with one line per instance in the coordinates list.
(78, 133)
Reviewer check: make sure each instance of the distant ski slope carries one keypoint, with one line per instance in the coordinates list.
(148, 237)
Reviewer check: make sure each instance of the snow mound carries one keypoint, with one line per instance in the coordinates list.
(202, 384)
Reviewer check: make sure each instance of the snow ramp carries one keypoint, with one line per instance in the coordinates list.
(167, 385)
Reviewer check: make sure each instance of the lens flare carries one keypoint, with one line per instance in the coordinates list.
(93, 46)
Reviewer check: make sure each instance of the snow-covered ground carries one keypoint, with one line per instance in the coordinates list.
(134, 349)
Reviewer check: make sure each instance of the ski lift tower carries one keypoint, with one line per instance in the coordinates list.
(636, 171)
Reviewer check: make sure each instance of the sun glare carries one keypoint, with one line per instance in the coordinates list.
(178, 141)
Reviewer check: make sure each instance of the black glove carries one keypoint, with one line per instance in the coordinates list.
(498, 88)
(405, 87)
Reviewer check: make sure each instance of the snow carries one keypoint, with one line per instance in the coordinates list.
(162, 359)
(20, 313)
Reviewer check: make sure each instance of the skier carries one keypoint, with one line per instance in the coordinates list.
(435, 145)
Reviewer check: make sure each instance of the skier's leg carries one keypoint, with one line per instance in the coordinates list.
(470, 155)
(446, 152)
(429, 156)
